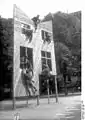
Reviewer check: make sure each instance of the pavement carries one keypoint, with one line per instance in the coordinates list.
(67, 108)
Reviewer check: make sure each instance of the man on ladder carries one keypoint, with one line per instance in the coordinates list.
(27, 75)
(46, 73)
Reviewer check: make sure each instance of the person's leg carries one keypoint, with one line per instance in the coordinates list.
(65, 85)
(27, 90)
(33, 88)
(27, 94)
(32, 85)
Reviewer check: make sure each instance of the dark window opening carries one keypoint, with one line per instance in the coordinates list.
(43, 53)
(25, 53)
(46, 59)
(22, 56)
(26, 26)
(48, 55)
(43, 62)
(49, 63)
(42, 32)
(46, 36)
(30, 55)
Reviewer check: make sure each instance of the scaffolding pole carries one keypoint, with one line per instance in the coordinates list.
(48, 91)
(13, 96)
(38, 100)
(56, 91)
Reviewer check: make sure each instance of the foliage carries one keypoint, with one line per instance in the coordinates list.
(67, 38)
(6, 45)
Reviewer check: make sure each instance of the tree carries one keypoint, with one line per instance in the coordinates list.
(6, 52)
(67, 38)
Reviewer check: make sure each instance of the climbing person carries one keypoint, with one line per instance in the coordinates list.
(36, 21)
(27, 75)
(46, 70)
(64, 72)
(24, 80)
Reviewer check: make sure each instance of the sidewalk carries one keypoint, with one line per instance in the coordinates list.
(44, 111)
(63, 95)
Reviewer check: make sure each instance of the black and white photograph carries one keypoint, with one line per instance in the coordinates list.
(41, 60)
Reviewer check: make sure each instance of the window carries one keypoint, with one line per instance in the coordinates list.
(48, 55)
(43, 53)
(42, 34)
(25, 26)
(46, 36)
(25, 53)
(27, 31)
(46, 59)
(22, 56)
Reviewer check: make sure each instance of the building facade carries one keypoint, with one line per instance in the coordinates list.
(37, 45)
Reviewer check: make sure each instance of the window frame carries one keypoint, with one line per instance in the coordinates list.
(45, 34)
(23, 25)
(46, 58)
(24, 61)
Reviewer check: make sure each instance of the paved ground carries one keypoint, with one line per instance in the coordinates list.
(67, 108)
